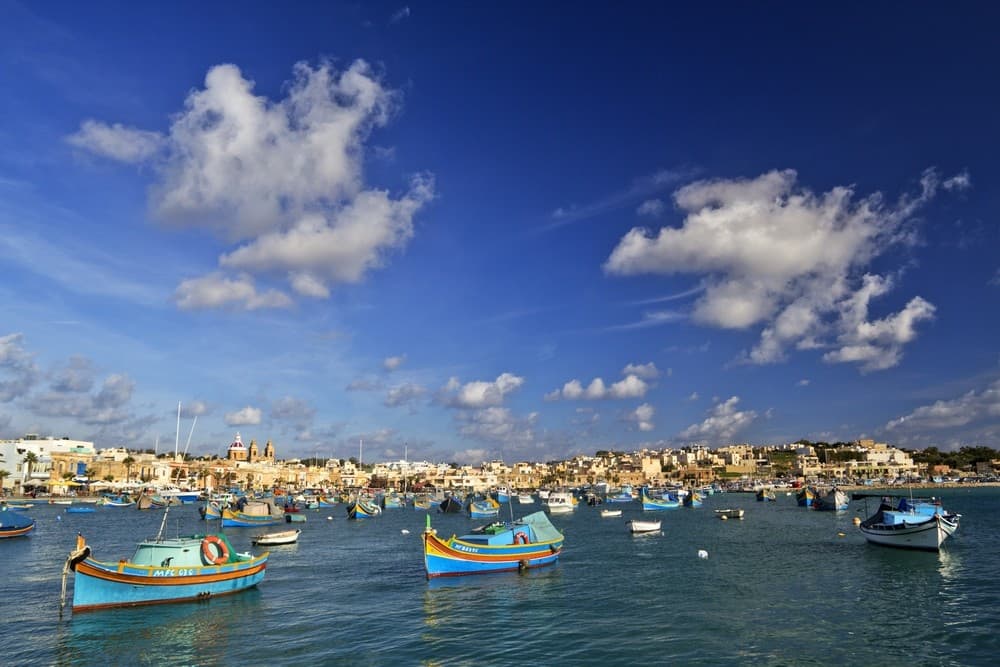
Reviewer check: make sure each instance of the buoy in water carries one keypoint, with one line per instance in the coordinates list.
(702, 554)
(840, 534)
(329, 518)
(857, 521)
(405, 532)
(724, 517)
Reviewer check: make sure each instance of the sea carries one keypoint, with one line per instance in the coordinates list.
(784, 586)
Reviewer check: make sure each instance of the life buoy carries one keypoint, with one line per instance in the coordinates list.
(521, 537)
(208, 553)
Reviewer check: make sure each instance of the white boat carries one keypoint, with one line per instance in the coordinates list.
(525, 498)
(918, 525)
(560, 502)
(636, 526)
(271, 539)
(610, 513)
(729, 513)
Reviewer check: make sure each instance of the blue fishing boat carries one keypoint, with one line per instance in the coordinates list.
(15, 524)
(920, 523)
(451, 504)
(806, 496)
(211, 511)
(624, 495)
(484, 509)
(693, 499)
(361, 509)
(529, 542)
(79, 510)
(252, 513)
(392, 501)
(503, 494)
(766, 494)
(649, 503)
(177, 569)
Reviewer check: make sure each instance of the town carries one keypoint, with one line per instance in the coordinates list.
(63, 466)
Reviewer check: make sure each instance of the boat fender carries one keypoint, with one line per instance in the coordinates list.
(521, 537)
(207, 550)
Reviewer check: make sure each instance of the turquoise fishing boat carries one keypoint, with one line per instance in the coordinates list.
(178, 569)
(529, 542)
(484, 509)
(359, 509)
(693, 499)
(650, 503)
(253, 513)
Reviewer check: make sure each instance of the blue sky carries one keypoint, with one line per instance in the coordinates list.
(467, 231)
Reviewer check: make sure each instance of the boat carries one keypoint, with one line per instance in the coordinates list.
(605, 514)
(766, 493)
(693, 499)
(284, 537)
(295, 518)
(729, 513)
(530, 542)
(833, 500)
(195, 567)
(637, 526)
(806, 496)
(15, 524)
(624, 495)
(525, 498)
(560, 502)
(920, 524)
(360, 509)
(649, 503)
(503, 494)
(451, 504)
(484, 509)
(210, 511)
(79, 510)
(252, 513)
(421, 501)
(116, 501)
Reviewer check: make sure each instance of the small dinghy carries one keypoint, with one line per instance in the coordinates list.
(610, 513)
(635, 526)
(271, 539)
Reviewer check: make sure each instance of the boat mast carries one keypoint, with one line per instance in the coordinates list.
(177, 436)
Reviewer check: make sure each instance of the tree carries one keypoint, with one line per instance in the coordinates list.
(128, 461)
(31, 459)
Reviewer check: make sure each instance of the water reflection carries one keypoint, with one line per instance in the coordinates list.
(185, 633)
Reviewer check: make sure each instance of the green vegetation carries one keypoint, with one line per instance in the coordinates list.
(963, 459)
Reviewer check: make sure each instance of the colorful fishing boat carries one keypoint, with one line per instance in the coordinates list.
(486, 508)
(361, 509)
(15, 524)
(451, 504)
(503, 494)
(210, 511)
(527, 543)
(253, 513)
(766, 494)
(806, 496)
(177, 569)
(693, 499)
(79, 510)
(653, 504)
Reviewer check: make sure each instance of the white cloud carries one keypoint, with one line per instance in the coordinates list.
(632, 386)
(722, 424)
(217, 290)
(775, 254)
(108, 406)
(247, 416)
(399, 15)
(18, 372)
(652, 207)
(653, 318)
(804, 382)
(945, 414)
(76, 376)
(480, 394)
(365, 384)
(404, 394)
(648, 371)
(283, 179)
(295, 411)
(116, 141)
(961, 181)
(497, 425)
(643, 417)
(392, 363)
(194, 409)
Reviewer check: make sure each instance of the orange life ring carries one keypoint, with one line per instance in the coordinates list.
(207, 551)
(521, 537)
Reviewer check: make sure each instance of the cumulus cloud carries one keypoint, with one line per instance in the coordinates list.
(108, 406)
(392, 363)
(947, 414)
(776, 255)
(404, 394)
(643, 417)
(76, 376)
(282, 179)
(722, 424)
(216, 290)
(18, 372)
(116, 141)
(631, 386)
(652, 207)
(648, 371)
(247, 416)
(480, 394)
(497, 425)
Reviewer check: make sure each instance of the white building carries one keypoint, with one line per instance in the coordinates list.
(14, 453)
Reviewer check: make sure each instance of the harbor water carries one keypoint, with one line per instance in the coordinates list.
(784, 586)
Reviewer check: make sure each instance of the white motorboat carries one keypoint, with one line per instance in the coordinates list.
(560, 502)
(271, 539)
(730, 513)
(610, 513)
(636, 526)
(919, 524)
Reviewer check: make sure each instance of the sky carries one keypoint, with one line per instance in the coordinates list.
(471, 231)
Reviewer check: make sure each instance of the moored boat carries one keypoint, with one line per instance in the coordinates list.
(272, 539)
(729, 513)
(765, 494)
(560, 502)
(649, 503)
(486, 508)
(805, 496)
(834, 500)
(361, 509)
(527, 543)
(610, 513)
(909, 524)
(15, 524)
(253, 513)
(177, 569)
(637, 526)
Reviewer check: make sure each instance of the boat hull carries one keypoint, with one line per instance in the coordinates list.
(102, 585)
(643, 526)
(923, 536)
(454, 558)
(232, 519)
